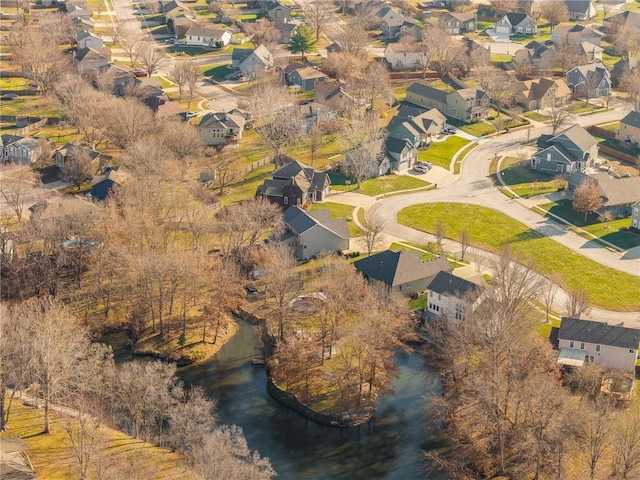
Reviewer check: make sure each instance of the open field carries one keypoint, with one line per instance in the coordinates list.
(494, 230)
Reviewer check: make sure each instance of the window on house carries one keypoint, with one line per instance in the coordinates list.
(571, 344)
(285, 200)
(459, 313)
(631, 350)
(597, 348)
(581, 345)
(439, 297)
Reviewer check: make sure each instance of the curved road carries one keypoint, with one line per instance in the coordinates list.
(474, 186)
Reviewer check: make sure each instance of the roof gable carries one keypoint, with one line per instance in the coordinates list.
(599, 333)
(446, 283)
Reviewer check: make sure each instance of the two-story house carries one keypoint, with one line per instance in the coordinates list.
(277, 12)
(295, 184)
(535, 53)
(401, 57)
(87, 59)
(587, 341)
(457, 23)
(467, 104)
(417, 125)
(516, 24)
(305, 77)
(591, 80)
(402, 152)
(542, 93)
(71, 151)
(19, 150)
(252, 62)
(574, 34)
(220, 128)
(580, 9)
(629, 130)
(312, 233)
(618, 194)
(401, 271)
(208, 37)
(451, 296)
(569, 151)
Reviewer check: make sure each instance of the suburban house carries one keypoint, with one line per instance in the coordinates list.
(376, 167)
(70, 151)
(401, 271)
(477, 51)
(221, 128)
(287, 30)
(451, 296)
(401, 56)
(629, 130)
(624, 65)
(295, 184)
(635, 215)
(19, 150)
(467, 104)
(627, 19)
(103, 185)
(417, 125)
(390, 22)
(208, 37)
(277, 13)
(335, 96)
(305, 77)
(618, 194)
(590, 52)
(86, 39)
(591, 80)
(516, 24)
(173, 9)
(587, 341)
(252, 62)
(457, 23)
(542, 93)
(314, 113)
(574, 34)
(580, 9)
(566, 152)
(181, 24)
(535, 53)
(163, 107)
(312, 233)
(402, 152)
(86, 59)
(77, 12)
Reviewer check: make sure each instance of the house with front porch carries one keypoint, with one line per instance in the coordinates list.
(586, 341)
(466, 104)
(295, 184)
(569, 151)
(542, 93)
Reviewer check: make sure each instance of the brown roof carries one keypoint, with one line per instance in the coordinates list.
(308, 73)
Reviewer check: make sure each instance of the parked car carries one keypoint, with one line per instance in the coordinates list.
(421, 168)
(140, 73)
(191, 114)
(250, 289)
(9, 96)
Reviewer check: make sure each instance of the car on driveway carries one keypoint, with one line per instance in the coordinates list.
(140, 73)
(421, 168)
(191, 114)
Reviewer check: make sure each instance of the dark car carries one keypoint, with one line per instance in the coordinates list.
(9, 96)
(250, 289)
(140, 73)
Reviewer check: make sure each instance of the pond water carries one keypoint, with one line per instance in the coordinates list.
(390, 447)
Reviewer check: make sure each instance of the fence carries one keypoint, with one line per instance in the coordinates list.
(33, 126)
(618, 154)
(601, 131)
(252, 167)
(412, 75)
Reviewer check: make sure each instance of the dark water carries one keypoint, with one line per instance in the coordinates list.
(390, 447)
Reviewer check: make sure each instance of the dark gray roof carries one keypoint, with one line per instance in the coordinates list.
(273, 187)
(598, 333)
(300, 221)
(516, 18)
(397, 145)
(578, 6)
(397, 268)
(579, 136)
(240, 54)
(446, 283)
(632, 118)
(428, 92)
(336, 225)
(8, 139)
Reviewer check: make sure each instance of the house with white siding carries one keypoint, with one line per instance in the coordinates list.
(208, 37)
(312, 233)
(588, 341)
(451, 296)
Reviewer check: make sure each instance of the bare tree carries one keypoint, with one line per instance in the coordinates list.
(501, 7)
(262, 32)
(549, 289)
(560, 116)
(193, 77)
(345, 66)
(596, 426)
(361, 137)
(375, 86)
(577, 302)
(372, 237)
(77, 167)
(630, 83)
(439, 232)
(151, 57)
(57, 27)
(352, 37)
(314, 140)
(554, 12)
(318, 14)
(496, 83)
(626, 445)
(129, 42)
(626, 40)
(190, 421)
(179, 74)
(223, 166)
(446, 52)
(128, 120)
(587, 199)
(184, 145)
(14, 188)
(465, 241)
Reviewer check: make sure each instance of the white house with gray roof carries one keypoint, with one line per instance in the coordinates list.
(629, 130)
(451, 296)
(220, 128)
(587, 341)
(569, 151)
(208, 37)
(312, 233)
(252, 62)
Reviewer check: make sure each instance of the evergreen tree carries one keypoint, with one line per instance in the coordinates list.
(302, 41)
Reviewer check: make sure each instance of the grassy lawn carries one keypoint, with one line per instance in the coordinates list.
(579, 107)
(53, 459)
(330, 147)
(609, 60)
(524, 181)
(10, 84)
(245, 188)
(492, 229)
(441, 153)
(382, 185)
(609, 231)
(538, 117)
(612, 127)
(338, 210)
(405, 247)
(31, 106)
(501, 57)
(478, 129)
(462, 156)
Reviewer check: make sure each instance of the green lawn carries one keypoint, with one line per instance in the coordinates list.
(31, 106)
(579, 107)
(608, 231)
(501, 57)
(492, 229)
(462, 156)
(245, 188)
(383, 185)
(477, 129)
(538, 117)
(338, 210)
(405, 247)
(441, 153)
(524, 181)
(218, 71)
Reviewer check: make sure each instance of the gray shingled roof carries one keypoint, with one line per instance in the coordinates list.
(397, 268)
(446, 283)
(598, 333)
(632, 119)
(428, 92)
(579, 136)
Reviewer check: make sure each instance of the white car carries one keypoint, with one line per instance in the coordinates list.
(421, 168)
(191, 114)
